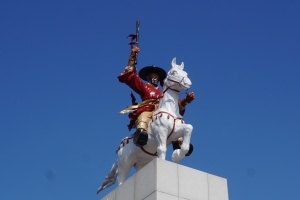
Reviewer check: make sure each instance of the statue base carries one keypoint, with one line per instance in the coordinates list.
(164, 180)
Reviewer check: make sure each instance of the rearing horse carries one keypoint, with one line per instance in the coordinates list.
(167, 125)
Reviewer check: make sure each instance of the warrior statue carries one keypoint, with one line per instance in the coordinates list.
(149, 93)
(158, 118)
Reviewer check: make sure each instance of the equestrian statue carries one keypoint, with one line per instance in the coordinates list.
(157, 119)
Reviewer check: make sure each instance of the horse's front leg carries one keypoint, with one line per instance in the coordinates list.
(178, 154)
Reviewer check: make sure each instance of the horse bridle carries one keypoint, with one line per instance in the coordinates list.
(176, 83)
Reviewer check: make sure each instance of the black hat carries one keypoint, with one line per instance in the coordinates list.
(152, 69)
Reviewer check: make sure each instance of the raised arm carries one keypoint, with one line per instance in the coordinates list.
(132, 56)
(129, 75)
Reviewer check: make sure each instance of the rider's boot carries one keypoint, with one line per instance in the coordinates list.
(140, 137)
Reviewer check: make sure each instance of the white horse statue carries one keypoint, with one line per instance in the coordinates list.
(167, 125)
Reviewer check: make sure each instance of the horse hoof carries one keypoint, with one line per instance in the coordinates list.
(190, 150)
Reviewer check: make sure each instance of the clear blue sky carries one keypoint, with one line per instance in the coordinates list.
(60, 97)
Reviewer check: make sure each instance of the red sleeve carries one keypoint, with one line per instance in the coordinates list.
(133, 81)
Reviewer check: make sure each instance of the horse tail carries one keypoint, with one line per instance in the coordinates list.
(111, 178)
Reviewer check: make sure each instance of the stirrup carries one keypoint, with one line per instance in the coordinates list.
(140, 138)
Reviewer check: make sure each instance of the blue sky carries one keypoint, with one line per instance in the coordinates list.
(60, 97)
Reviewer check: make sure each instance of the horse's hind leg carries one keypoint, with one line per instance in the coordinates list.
(162, 146)
(161, 150)
(178, 154)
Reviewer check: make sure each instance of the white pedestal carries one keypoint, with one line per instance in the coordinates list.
(164, 180)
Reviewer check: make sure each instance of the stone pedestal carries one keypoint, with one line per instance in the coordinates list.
(164, 180)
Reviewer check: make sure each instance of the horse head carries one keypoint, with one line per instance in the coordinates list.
(177, 79)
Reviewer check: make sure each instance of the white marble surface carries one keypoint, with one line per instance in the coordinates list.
(145, 181)
(126, 189)
(193, 183)
(217, 188)
(167, 177)
(164, 180)
(110, 196)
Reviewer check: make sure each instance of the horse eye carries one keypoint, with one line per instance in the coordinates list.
(174, 72)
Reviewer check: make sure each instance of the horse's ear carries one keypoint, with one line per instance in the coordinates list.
(181, 66)
(173, 63)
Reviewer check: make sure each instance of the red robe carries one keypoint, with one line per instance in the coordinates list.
(145, 90)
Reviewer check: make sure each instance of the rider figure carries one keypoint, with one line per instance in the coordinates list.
(149, 93)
